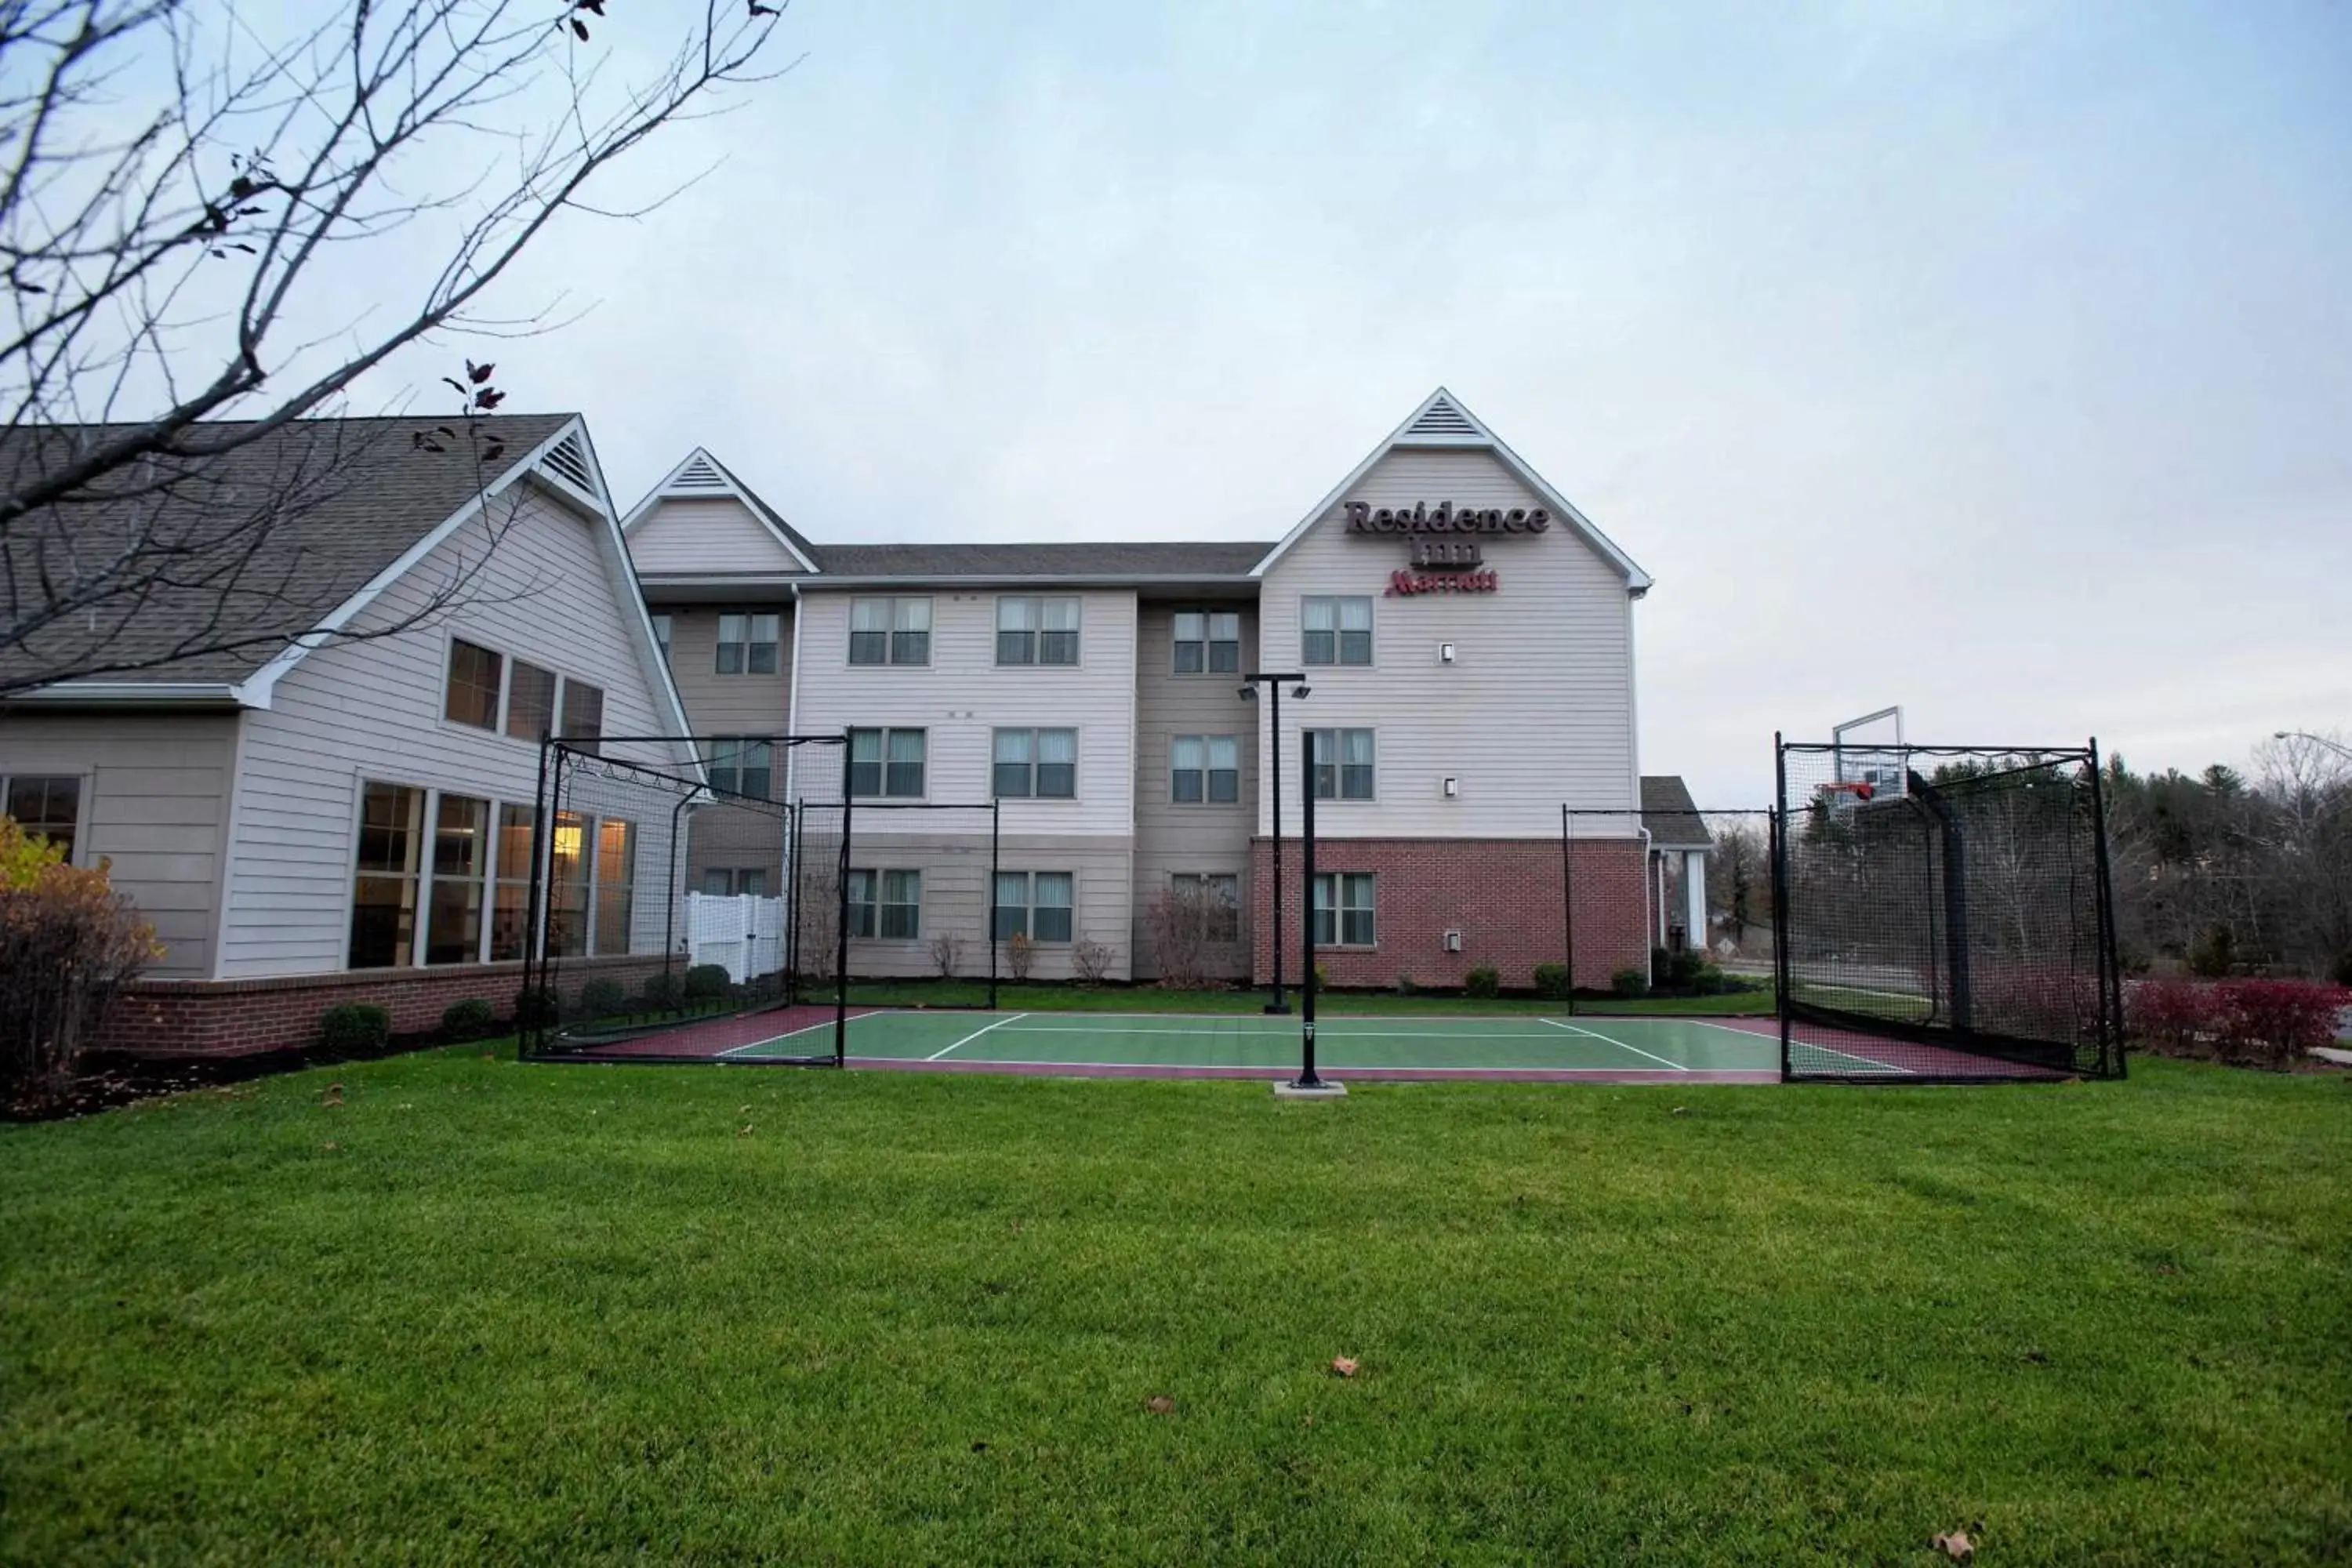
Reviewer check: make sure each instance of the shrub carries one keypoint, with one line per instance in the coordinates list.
(661, 991)
(1090, 961)
(1322, 977)
(1629, 983)
(68, 944)
(2276, 1021)
(1406, 983)
(1020, 953)
(603, 996)
(1482, 981)
(469, 1019)
(1680, 970)
(1551, 982)
(707, 983)
(355, 1027)
(535, 1007)
(947, 954)
(2169, 1012)
(1185, 924)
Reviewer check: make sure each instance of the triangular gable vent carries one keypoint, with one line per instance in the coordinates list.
(568, 461)
(1442, 419)
(700, 474)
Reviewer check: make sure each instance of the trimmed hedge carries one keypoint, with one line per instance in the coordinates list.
(707, 983)
(1482, 981)
(469, 1019)
(355, 1027)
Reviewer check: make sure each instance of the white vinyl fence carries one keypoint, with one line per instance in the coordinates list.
(745, 934)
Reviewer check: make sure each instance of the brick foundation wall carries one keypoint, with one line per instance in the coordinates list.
(241, 1018)
(1502, 894)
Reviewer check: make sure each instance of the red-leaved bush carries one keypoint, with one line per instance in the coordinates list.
(2268, 1021)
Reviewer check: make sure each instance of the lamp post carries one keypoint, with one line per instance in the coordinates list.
(2316, 740)
(1273, 682)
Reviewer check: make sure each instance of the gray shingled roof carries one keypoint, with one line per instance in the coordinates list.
(1671, 816)
(1125, 558)
(351, 495)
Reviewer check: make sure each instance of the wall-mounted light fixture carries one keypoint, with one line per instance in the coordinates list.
(1453, 786)
(1445, 653)
(1454, 941)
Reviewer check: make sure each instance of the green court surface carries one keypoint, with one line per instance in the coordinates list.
(1181, 1045)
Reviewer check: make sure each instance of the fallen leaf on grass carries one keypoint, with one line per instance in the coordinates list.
(1682, 1110)
(1160, 1405)
(331, 1146)
(1955, 1545)
(334, 1095)
(1344, 1365)
(744, 1131)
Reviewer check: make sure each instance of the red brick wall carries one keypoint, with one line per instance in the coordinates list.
(239, 1017)
(1502, 894)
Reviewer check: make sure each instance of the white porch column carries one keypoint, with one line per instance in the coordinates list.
(1695, 897)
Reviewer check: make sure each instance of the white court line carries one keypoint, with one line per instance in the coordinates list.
(1195, 1068)
(1324, 1032)
(975, 1035)
(1609, 1040)
(774, 1039)
(1774, 1038)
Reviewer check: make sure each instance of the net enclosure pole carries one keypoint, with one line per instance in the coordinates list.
(1306, 1078)
(1568, 902)
(1780, 925)
(841, 933)
(534, 965)
(995, 820)
(2110, 966)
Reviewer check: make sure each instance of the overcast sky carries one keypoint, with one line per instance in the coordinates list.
(1993, 360)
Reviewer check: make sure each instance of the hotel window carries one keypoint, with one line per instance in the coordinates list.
(1335, 630)
(1037, 631)
(616, 876)
(737, 882)
(1343, 909)
(583, 713)
(888, 904)
(1043, 763)
(46, 806)
(1343, 763)
(890, 631)
(1208, 642)
(886, 763)
(461, 834)
(741, 764)
(1219, 899)
(472, 699)
(383, 894)
(567, 892)
(747, 644)
(1033, 904)
(530, 701)
(510, 894)
(661, 635)
(1204, 769)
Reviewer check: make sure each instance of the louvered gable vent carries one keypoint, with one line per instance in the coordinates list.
(700, 474)
(568, 461)
(1441, 418)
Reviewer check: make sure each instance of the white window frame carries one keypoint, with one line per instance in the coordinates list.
(747, 642)
(1340, 883)
(1339, 659)
(86, 780)
(503, 712)
(1028, 907)
(892, 632)
(1036, 632)
(882, 778)
(1035, 763)
(1340, 765)
(1207, 770)
(1207, 641)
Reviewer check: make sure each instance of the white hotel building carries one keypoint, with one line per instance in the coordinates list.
(1466, 635)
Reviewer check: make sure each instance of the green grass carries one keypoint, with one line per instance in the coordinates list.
(1047, 998)
(481, 1311)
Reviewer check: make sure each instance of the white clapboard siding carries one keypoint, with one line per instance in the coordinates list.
(371, 710)
(156, 810)
(716, 535)
(956, 903)
(1191, 838)
(961, 698)
(1537, 707)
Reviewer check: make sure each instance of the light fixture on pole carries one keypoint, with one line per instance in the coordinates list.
(2336, 747)
(1273, 682)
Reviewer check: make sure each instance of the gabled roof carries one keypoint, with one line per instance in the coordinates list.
(1121, 559)
(1671, 816)
(1443, 422)
(704, 478)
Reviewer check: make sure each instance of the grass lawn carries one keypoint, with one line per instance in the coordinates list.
(480, 1312)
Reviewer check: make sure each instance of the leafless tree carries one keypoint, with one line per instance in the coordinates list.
(210, 229)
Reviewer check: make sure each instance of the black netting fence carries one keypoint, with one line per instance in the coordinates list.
(675, 882)
(1950, 906)
(1668, 912)
(921, 881)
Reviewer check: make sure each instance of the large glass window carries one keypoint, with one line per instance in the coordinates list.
(1043, 763)
(1335, 629)
(530, 701)
(1035, 904)
(742, 765)
(747, 644)
(862, 891)
(1343, 909)
(888, 904)
(1033, 630)
(1217, 896)
(891, 631)
(46, 806)
(886, 763)
(384, 894)
(1208, 642)
(567, 889)
(510, 892)
(1204, 769)
(737, 882)
(473, 694)
(1343, 763)
(461, 836)
(616, 876)
(583, 713)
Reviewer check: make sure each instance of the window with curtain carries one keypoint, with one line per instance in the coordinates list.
(1335, 629)
(472, 698)
(1208, 642)
(567, 891)
(736, 882)
(902, 905)
(1035, 904)
(742, 765)
(1016, 630)
(747, 644)
(1204, 769)
(1343, 909)
(1039, 763)
(861, 904)
(1038, 630)
(384, 890)
(1343, 763)
(510, 892)
(530, 701)
(461, 847)
(891, 631)
(583, 714)
(46, 806)
(616, 876)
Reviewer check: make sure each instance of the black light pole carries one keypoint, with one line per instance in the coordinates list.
(1255, 679)
(1306, 1078)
